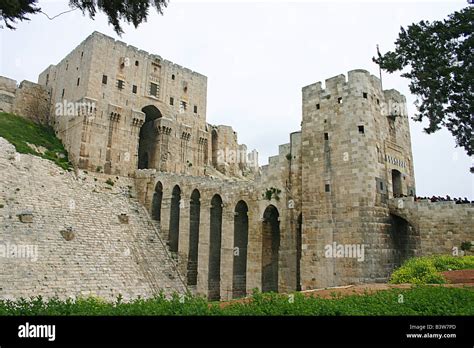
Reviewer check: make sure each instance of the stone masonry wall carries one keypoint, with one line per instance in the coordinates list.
(29, 100)
(7, 94)
(440, 226)
(84, 245)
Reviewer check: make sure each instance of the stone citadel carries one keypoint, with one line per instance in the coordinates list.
(227, 225)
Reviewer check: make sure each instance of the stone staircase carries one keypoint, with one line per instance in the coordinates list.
(90, 237)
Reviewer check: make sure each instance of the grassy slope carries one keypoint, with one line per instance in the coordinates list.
(420, 300)
(19, 131)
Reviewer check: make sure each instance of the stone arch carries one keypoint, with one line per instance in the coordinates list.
(156, 202)
(404, 239)
(299, 246)
(396, 183)
(241, 230)
(173, 236)
(151, 113)
(194, 219)
(270, 248)
(215, 239)
(148, 138)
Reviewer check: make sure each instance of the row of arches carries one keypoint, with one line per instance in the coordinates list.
(270, 241)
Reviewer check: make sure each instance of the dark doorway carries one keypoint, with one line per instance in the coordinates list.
(270, 249)
(194, 218)
(299, 245)
(214, 148)
(396, 183)
(214, 280)
(173, 237)
(241, 229)
(405, 240)
(143, 159)
(148, 139)
(156, 202)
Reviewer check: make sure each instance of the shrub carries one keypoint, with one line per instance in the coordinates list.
(425, 270)
(466, 246)
(109, 182)
(272, 192)
(420, 300)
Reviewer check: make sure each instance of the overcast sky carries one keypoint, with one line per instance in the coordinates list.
(257, 57)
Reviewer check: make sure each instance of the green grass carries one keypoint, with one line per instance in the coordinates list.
(420, 300)
(426, 270)
(20, 131)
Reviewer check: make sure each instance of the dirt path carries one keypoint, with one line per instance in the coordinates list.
(459, 277)
(369, 288)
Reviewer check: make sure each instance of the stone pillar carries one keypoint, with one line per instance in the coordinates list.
(287, 257)
(183, 243)
(254, 251)
(203, 250)
(165, 216)
(227, 246)
(148, 195)
(141, 183)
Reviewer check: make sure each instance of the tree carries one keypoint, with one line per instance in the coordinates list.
(130, 11)
(13, 10)
(440, 66)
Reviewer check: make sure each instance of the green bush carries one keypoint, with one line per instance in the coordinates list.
(426, 270)
(419, 300)
(20, 131)
(466, 245)
(109, 182)
(272, 192)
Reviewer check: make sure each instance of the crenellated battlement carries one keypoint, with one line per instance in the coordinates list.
(357, 82)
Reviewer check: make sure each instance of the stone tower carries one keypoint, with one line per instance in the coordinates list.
(118, 108)
(356, 154)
